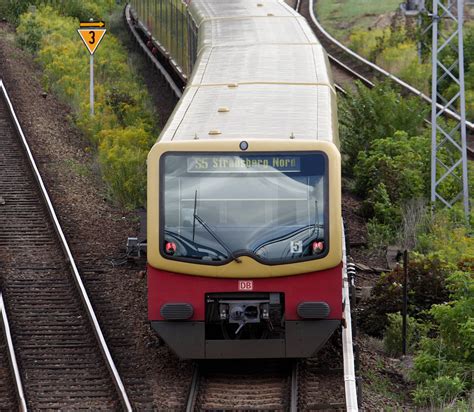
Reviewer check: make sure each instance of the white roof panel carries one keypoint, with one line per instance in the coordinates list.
(257, 30)
(283, 86)
(205, 10)
(254, 111)
(262, 64)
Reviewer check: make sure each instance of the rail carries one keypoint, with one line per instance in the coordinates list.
(347, 344)
(77, 278)
(294, 388)
(195, 387)
(378, 69)
(11, 356)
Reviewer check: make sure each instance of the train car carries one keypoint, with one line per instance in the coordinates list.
(244, 191)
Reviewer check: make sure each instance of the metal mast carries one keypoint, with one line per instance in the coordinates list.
(448, 139)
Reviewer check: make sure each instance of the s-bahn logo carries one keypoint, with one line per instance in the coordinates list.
(245, 284)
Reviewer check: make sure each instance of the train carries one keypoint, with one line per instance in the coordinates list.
(244, 223)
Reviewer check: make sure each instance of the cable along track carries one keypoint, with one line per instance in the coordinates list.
(63, 359)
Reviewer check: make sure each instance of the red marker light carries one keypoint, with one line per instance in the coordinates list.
(170, 248)
(317, 247)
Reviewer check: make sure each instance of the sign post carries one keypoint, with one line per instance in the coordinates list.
(91, 32)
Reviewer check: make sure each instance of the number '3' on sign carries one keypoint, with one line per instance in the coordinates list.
(91, 37)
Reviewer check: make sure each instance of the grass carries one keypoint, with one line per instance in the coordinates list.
(381, 385)
(341, 17)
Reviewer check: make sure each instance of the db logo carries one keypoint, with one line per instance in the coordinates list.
(245, 284)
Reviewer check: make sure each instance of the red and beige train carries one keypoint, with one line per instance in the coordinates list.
(244, 219)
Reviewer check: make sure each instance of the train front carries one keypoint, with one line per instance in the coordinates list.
(244, 247)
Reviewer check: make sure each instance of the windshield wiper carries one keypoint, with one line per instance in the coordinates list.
(210, 231)
(289, 235)
(316, 226)
(194, 213)
(217, 238)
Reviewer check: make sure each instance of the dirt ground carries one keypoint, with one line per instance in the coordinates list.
(97, 230)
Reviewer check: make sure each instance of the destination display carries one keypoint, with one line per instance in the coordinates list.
(243, 164)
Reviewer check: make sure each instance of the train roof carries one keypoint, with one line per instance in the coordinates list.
(260, 73)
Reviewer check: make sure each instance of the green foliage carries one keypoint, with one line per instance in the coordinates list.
(30, 33)
(14, 8)
(443, 368)
(123, 126)
(394, 168)
(370, 114)
(364, 42)
(379, 205)
(446, 237)
(426, 287)
(389, 174)
(402, 61)
(122, 154)
(392, 339)
(396, 50)
(339, 17)
(441, 392)
(379, 235)
(80, 9)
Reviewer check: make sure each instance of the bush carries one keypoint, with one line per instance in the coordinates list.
(392, 173)
(364, 42)
(399, 165)
(14, 8)
(441, 392)
(426, 286)
(392, 339)
(394, 49)
(443, 368)
(124, 126)
(379, 235)
(122, 157)
(370, 114)
(446, 237)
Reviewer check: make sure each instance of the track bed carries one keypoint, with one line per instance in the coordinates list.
(59, 358)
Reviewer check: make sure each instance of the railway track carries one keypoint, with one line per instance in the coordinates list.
(243, 385)
(270, 385)
(8, 400)
(63, 359)
(348, 66)
(11, 387)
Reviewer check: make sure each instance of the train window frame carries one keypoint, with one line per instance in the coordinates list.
(161, 213)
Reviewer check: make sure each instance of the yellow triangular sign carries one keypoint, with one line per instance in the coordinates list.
(91, 37)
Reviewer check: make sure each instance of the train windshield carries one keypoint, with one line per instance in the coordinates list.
(218, 207)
